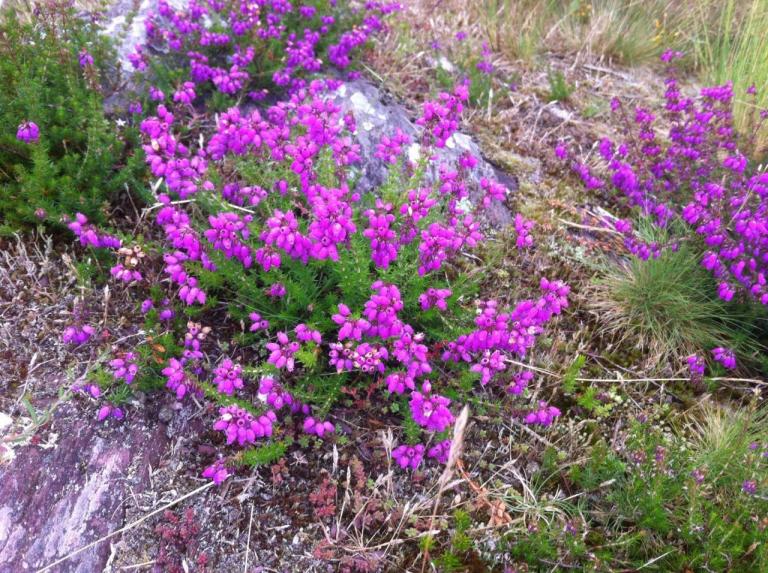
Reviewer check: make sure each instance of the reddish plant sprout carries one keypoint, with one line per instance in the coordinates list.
(323, 499)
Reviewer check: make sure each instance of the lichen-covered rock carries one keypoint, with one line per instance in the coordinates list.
(376, 116)
(55, 500)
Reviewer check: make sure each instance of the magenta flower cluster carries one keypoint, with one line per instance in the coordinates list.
(242, 427)
(125, 367)
(228, 377)
(28, 132)
(699, 174)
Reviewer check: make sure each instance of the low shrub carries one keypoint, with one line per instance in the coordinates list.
(699, 188)
(59, 153)
(317, 292)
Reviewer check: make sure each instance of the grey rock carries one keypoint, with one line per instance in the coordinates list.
(55, 501)
(377, 115)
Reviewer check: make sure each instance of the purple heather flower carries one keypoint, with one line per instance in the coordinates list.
(273, 395)
(390, 148)
(440, 451)
(350, 327)
(28, 132)
(520, 382)
(125, 367)
(185, 94)
(306, 334)
(282, 352)
(435, 297)
(696, 367)
(523, 228)
(494, 191)
(89, 235)
(108, 410)
(544, 415)
(489, 364)
(431, 411)
(384, 240)
(217, 472)
(749, 487)
(240, 425)
(177, 381)
(725, 356)
(440, 118)
(408, 456)
(317, 428)
(155, 94)
(78, 335)
(277, 290)
(228, 377)
(84, 58)
(257, 322)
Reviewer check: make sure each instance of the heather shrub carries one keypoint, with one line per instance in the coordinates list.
(229, 51)
(276, 291)
(315, 289)
(697, 186)
(693, 492)
(59, 153)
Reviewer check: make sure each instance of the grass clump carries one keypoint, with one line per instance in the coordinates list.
(669, 307)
